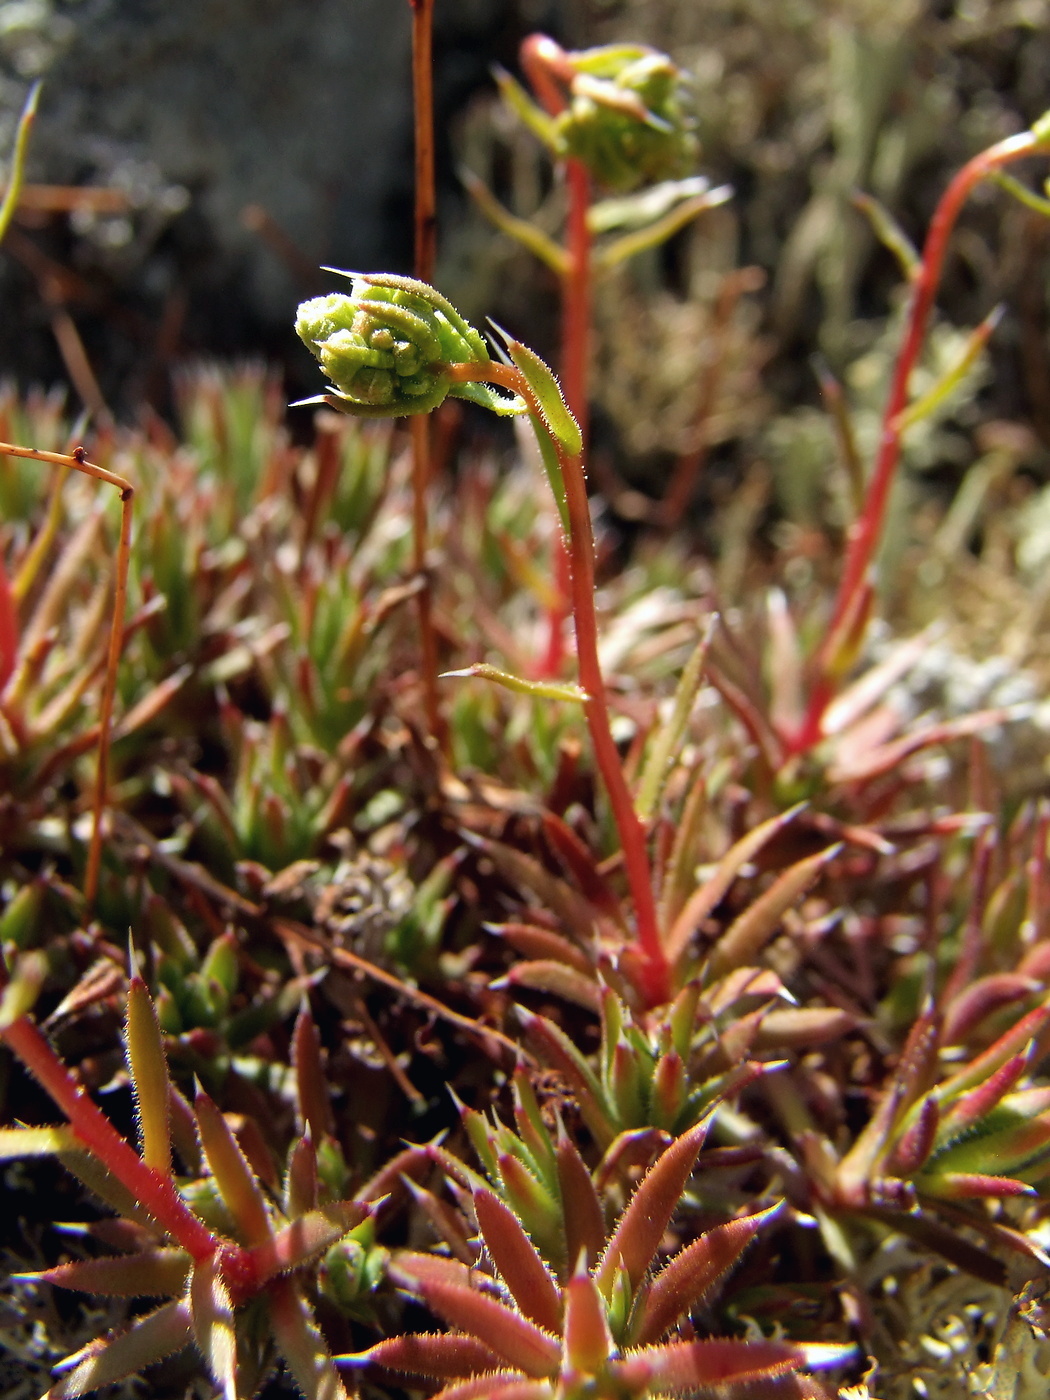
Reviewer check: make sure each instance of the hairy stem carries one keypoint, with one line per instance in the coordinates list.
(576, 325)
(656, 969)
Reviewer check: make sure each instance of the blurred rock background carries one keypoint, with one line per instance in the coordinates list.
(244, 142)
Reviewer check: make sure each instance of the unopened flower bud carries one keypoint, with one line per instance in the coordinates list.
(628, 118)
(388, 346)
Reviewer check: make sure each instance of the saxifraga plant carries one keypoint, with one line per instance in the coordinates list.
(221, 1250)
(396, 347)
(598, 1320)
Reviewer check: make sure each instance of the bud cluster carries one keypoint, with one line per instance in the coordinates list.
(627, 117)
(388, 346)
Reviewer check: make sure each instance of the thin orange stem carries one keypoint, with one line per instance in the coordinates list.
(656, 968)
(425, 252)
(867, 530)
(154, 1191)
(78, 461)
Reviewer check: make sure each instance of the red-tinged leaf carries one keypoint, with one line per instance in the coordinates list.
(581, 865)
(799, 1028)
(149, 1076)
(300, 1183)
(149, 1339)
(756, 724)
(577, 914)
(212, 1313)
(534, 1205)
(148, 1189)
(237, 1185)
(581, 1207)
(543, 944)
(301, 1345)
(965, 1186)
(315, 1108)
(458, 1171)
(303, 1239)
(966, 1011)
(691, 1366)
(710, 894)
(562, 1054)
(1008, 1149)
(544, 975)
(636, 1147)
(917, 1141)
(759, 982)
(437, 1355)
(410, 1162)
(533, 1131)
(668, 1089)
(154, 1273)
(884, 759)
(691, 1275)
(967, 1111)
(588, 1342)
(748, 934)
(449, 1225)
(861, 1164)
(503, 1385)
(518, 1263)
(641, 1226)
(1032, 1027)
(518, 1341)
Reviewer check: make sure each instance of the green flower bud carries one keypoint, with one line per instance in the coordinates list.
(627, 117)
(388, 346)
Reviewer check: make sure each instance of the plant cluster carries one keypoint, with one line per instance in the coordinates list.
(712, 1004)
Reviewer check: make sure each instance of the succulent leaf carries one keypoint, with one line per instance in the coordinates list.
(148, 1339)
(518, 1263)
(448, 1290)
(687, 1278)
(149, 1075)
(640, 1228)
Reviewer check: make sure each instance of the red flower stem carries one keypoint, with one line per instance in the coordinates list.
(866, 531)
(155, 1192)
(425, 251)
(656, 972)
(548, 70)
(575, 334)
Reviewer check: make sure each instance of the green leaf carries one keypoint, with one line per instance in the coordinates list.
(541, 380)
(540, 690)
(237, 1185)
(521, 230)
(16, 177)
(149, 1076)
(667, 742)
(533, 117)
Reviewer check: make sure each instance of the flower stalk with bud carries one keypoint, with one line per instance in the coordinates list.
(394, 347)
